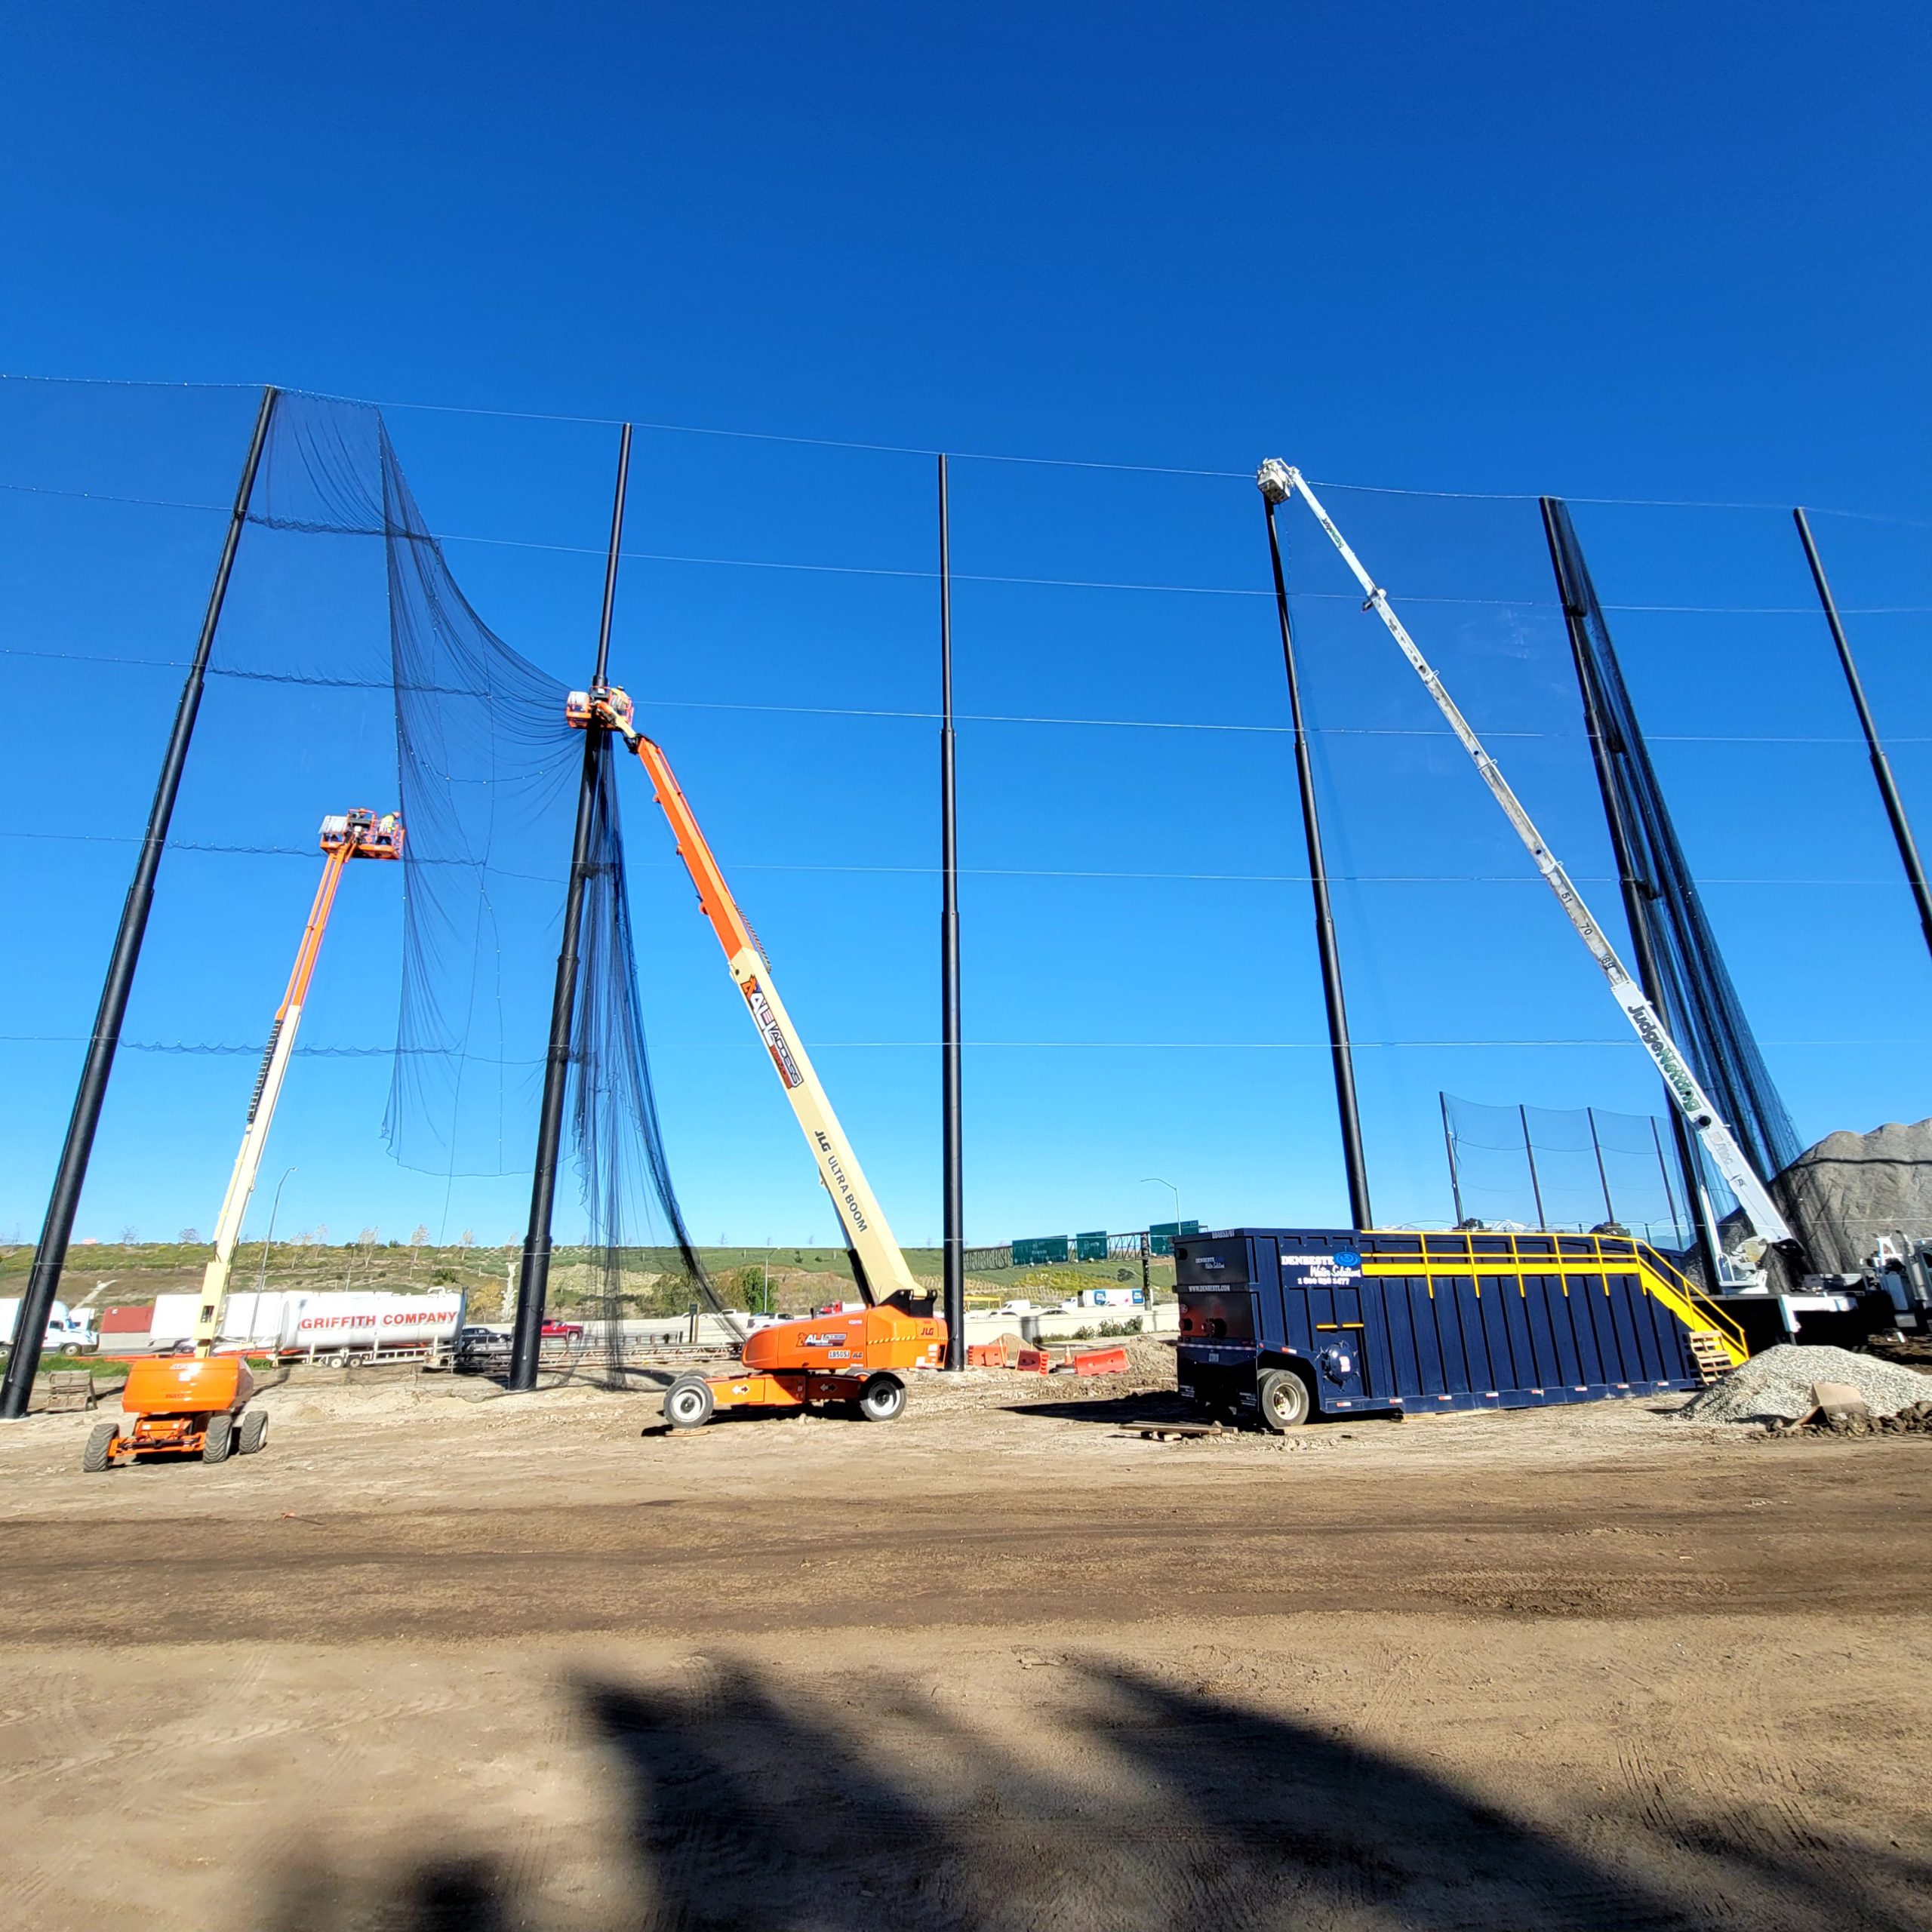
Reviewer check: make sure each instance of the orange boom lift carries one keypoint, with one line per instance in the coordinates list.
(197, 1404)
(860, 1357)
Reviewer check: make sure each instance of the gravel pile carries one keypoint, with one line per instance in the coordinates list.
(1776, 1386)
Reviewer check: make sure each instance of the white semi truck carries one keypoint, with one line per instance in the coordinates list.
(68, 1329)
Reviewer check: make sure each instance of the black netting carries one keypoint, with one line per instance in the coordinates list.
(620, 1143)
(488, 772)
(1581, 1168)
(1701, 1003)
(1135, 909)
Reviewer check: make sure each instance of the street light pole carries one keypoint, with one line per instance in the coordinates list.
(1147, 1244)
(262, 1281)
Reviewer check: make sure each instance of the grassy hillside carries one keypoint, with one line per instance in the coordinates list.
(785, 1280)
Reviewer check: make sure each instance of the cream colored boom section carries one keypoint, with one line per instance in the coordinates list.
(1280, 481)
(241, 1182)
(864, 1226)
(859, 1211)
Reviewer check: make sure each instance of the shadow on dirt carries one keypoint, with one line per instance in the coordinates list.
(1152, 1809)
(1148, 1405)
(459, 1894)
(1163, 1405)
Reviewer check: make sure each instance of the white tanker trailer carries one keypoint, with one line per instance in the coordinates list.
(324, 1325)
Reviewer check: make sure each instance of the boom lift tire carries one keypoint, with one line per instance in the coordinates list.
(94, 1456)
(882, 1399)
(1283, 1399)
(688, 1402)
(219, 1437)
(254, 1432)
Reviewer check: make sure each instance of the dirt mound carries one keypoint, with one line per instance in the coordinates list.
(1843, 1193)
(1776, 1386)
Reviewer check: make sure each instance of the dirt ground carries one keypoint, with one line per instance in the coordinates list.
(444, 1658)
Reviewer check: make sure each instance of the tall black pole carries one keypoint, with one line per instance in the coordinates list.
(1449, 1145)
(1324, 922)
(534, 1275)
(1603, 1172)
(1530, 1155)
(1636, 888)
(1882, 768)
(50, 1256)
(952, 1139)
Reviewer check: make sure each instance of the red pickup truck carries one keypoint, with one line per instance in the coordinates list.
(563, 1331)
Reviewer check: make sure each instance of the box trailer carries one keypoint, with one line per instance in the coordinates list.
(1280, 1323)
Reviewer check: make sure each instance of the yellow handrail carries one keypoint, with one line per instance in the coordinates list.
(1698, 1309)
(1689, 1305)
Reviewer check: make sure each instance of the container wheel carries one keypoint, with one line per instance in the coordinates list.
(100, 1445)
(1282, 1397)
(218, 1438)
(254, 1432)
(688, 1402)
(882, 1399)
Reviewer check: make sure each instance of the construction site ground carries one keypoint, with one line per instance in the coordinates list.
(445, 1657)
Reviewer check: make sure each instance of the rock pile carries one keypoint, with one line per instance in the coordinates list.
(1843, 1193)
(1916, 1420)
(1775, 1387)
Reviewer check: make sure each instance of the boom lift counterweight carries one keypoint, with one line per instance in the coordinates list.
(185, 1406)
(856, 1357)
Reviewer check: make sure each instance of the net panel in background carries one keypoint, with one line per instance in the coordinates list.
(1726, 658)
(1134, 898)
(1564, 1168)
(1461, 970)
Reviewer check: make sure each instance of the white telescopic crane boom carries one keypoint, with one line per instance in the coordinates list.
(1278, 481)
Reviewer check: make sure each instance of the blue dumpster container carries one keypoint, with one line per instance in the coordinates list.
(1280, 1323)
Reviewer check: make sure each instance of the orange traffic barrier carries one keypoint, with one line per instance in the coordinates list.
(1100, 1361)
(1035, 1361)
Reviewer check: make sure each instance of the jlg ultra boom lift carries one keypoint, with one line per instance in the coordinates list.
(859, 1357)
(186, 1405)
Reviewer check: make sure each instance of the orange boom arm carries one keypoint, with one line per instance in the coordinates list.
(882, 1269)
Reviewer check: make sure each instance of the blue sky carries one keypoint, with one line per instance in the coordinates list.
(1652, 252)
